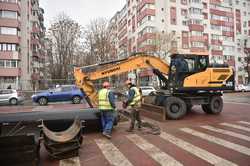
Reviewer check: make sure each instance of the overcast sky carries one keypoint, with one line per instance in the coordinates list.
(81, 11)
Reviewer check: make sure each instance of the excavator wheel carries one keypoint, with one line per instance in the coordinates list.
(214, 107)
(176, 108)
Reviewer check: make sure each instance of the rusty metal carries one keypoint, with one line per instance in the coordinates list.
(21, 150)
(65, 142)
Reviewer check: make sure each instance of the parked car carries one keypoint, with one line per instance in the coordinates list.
(242, 88)
(11, 96)
(146, 90)
(59, 94)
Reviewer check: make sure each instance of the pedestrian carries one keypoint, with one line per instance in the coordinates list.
(133, 103)
(106, 104)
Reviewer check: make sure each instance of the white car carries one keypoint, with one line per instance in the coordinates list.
(10, 96)
(146, 90)
(242, 88)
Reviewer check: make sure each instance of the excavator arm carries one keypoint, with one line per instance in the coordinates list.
(86, 75)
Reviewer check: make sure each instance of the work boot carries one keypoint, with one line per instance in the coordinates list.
(106, 135)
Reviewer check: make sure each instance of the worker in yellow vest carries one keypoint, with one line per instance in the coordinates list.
(107, 108)
(133, 103)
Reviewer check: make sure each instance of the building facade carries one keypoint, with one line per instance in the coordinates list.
(21, 44)
(219, 27)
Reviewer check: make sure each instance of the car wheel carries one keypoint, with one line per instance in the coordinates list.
(43, 101)
(76, 100)
(13, 101)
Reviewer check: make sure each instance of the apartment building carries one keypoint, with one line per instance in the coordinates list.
(21, 44)
(218, 27)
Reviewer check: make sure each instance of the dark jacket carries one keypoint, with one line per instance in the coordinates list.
(131, 94)
(111, 97)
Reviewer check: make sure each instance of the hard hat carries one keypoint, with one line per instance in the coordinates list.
(128, 82)
(105, 84)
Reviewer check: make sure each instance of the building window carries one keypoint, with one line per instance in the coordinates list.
(8, 31)
(184, 23)
(8, 14)
(196, 33)
(173, 15)
(204, 5)
(184, 2)
(245, 24)
(8, 47)
(184, 12)
(1, 63)
(197, 44)
(10, 1)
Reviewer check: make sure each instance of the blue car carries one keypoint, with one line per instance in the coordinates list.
(62, 93)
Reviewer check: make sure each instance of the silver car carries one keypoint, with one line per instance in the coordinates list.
(10, 96)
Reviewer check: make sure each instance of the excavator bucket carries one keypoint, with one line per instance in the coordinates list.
(62, 139)
(20, 150)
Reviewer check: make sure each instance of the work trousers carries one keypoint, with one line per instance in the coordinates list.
(135, 116)
(107, 120)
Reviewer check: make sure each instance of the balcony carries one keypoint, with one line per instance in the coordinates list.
(215, 2)
(9, 55)
(35, 54)
(9, 39)
(197, 38)
(8, 22)
(144, 13)
(10, 6)
(35, 41)
(10, 72)
(227, 33)
(197, 49)
(217, 52)
(216, 42)
(221, 13)
(36, 29)
(196, 27)
(144, 2)
(145, 37)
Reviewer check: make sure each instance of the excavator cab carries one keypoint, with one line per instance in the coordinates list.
(183, 65)
(192, 72)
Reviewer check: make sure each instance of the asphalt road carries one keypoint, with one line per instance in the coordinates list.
(197, 139)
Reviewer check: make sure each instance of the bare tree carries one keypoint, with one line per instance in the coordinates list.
(64, 38)
(97, 44)
(165, 44)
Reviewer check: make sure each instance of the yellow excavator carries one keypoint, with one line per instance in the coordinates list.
(188, 80)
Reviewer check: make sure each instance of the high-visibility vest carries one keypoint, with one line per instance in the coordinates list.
(103, 100)
(137, 97)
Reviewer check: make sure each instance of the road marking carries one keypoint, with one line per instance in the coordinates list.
(75, 161)
(226, 132)
(236, 126)
(244, 122)
(201, 153)
(154, 152)
(112, 153)
(227, 144)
